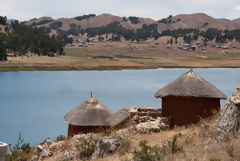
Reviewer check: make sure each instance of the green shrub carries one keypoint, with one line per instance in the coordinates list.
(44, 141)
(61, 138)
(147, 153)
(86, 148)
(174, 148)
(106, 132)
(229, 150)
(20, 151)
(214, 112)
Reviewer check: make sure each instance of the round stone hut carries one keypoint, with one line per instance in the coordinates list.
(189, 98)
(90, 116)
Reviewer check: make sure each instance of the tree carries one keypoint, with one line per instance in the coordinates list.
(134, 20)
(3, 47)
(3, 20)
(176, 39)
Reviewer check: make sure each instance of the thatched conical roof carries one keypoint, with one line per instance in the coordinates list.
(89, 113)
(118, 117)
(190, 85)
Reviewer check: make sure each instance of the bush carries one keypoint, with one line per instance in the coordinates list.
(106, 132)
(229, 150)
(147, 153)
(20, 151)
(86, 148)
(134, 20)
(44, 141)
(61, 138)
(174, 148)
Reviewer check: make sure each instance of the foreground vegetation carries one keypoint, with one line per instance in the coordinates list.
(180, 143)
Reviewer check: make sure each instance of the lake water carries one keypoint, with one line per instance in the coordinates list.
(34, 103)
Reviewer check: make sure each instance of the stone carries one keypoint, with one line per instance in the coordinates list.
(122, 133)
(56, 145)
(68, 155)
(212, 142)
(105, 145)
(48, 143)
(39, 149)
(45, 153)
(3, 151)
(146, 127)
(160, 123)
(82, 136)
(229, 120)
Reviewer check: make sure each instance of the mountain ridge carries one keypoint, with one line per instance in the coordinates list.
(199, 21)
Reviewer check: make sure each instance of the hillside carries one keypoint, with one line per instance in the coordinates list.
(186, 21)
(97, 21)
(199, 21)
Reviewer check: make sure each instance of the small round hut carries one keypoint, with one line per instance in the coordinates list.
(90, 116)
(189, 98)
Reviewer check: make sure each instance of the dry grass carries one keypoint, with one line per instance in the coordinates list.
(193, 139)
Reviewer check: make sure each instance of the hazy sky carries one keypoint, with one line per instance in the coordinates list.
(157, 9)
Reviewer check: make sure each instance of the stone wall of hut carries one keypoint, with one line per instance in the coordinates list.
(188, 110)
(75, 130)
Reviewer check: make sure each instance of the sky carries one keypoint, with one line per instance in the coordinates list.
(156, 9)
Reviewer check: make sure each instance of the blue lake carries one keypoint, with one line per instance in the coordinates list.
(34, 103)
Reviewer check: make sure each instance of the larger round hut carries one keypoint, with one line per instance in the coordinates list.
(90, 116)
(189, 98)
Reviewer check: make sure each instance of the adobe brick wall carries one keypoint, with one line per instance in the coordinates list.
(188, 110)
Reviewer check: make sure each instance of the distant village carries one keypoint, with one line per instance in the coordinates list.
(200, 44)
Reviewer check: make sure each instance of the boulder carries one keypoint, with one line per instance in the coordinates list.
(146, 127)
(56, 145)
(3, 151)
(229, 120)
(105, 145)
(76, 138)
(47, 143)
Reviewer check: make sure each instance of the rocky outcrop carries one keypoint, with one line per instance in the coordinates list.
(151, 125)
(105, 145)
(229, 121)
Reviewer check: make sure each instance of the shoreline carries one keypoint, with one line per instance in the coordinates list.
(97, 68)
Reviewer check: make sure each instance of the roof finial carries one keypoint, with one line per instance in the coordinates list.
(91, 94)
(191, 70)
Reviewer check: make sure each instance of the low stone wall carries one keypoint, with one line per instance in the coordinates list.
(145, 111)
(3, 151)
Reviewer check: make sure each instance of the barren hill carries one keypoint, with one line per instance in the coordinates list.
(199, 21)
(196, 21)
(98, 21)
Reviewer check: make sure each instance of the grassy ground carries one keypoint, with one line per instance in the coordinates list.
(120, 56)
(191, 144)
